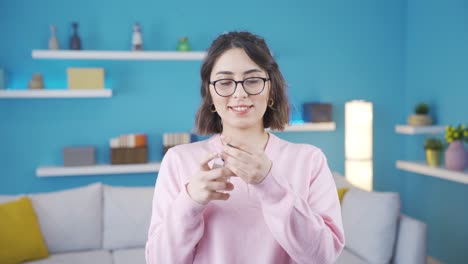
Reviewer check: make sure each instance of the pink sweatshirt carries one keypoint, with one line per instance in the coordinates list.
(292, 216)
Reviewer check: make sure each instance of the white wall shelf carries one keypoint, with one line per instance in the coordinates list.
(438, 172)
(118, 55)
(98, 170)
(414, 130)
(327, 126)
(56, 93)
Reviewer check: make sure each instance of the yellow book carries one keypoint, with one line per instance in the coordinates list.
(85, 78)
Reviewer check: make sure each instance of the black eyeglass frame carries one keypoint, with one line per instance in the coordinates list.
(241, 82)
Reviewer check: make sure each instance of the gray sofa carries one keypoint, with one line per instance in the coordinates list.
(376, 231)
(104, 224)
(93, 224)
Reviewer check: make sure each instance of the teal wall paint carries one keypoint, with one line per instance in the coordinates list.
(437, 73)
(330, 51)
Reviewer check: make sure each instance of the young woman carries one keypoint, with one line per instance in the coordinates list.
(244, 195)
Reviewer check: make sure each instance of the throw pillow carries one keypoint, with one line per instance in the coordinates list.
(341, 193)
(71, 219)
(20, 235)
(127, 216)
(370, 221)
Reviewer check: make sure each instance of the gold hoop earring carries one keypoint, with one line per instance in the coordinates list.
(271, 102)
(213, 108)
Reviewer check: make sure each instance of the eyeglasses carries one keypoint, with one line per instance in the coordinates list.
(227, 87)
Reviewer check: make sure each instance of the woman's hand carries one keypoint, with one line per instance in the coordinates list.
(249, 164)
(207, 183)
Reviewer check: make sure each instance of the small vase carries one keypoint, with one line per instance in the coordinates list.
(75, 41)
(433, 157)
(183, 44)
(456, 156)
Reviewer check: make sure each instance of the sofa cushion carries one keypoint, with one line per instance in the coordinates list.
(346, 257)
(370, 221)
(127, 216)
(80, 257)
(71, 219)
(129, 256)
(20, 235)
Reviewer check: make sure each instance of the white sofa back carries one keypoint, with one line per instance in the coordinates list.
(92, 217)
(70, 220)
(127, 216)
(370, 222)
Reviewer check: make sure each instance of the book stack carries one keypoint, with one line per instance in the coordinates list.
(173, 139)
(129, 149)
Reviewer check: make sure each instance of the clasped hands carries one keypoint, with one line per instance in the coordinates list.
(242, 161)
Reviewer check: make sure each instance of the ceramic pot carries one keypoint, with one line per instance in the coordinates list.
(456, 156)
(419, 120)
(433, 157)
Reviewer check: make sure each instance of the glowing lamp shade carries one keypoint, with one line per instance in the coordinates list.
(358, 143)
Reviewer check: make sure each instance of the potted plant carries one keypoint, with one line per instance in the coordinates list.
(421, 116)
(456, 156)
(434, 148)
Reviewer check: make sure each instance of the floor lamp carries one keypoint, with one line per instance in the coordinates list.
(358, 143)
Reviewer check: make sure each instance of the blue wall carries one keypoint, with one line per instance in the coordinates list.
(437, 73)
(393, 53)
(330, 51)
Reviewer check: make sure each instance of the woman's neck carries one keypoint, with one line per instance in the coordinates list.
(256, 138)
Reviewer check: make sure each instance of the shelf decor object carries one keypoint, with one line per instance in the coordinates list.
(434, 149)
(53, 41)
(358, 143)
(37, 82)
(421, 116)
(317, 112)
(456, 157)
(85, 78)
(137, 39)
(75, 40)
(183, 45)
(118, 55)
(2, 79)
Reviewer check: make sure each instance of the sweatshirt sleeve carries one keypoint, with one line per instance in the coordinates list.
(176, 222)
(309, 230)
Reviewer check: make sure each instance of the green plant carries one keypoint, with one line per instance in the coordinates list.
(434, 144)
(453, 133)
(421, 109)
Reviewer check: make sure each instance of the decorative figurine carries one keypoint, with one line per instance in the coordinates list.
(36, 82)
(2, 79)
(75, 41)
(183, 44)
(53, 41)
(137, 39)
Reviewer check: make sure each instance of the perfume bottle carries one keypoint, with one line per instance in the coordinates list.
(75, 41)
(137, 39)
(53, 41)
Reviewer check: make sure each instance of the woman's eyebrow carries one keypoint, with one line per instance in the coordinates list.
(252, 71)
(225, 72)
(231, 73)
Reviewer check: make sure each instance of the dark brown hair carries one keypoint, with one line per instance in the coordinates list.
(275, 117)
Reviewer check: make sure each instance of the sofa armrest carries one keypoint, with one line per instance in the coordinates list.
(411, 246)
